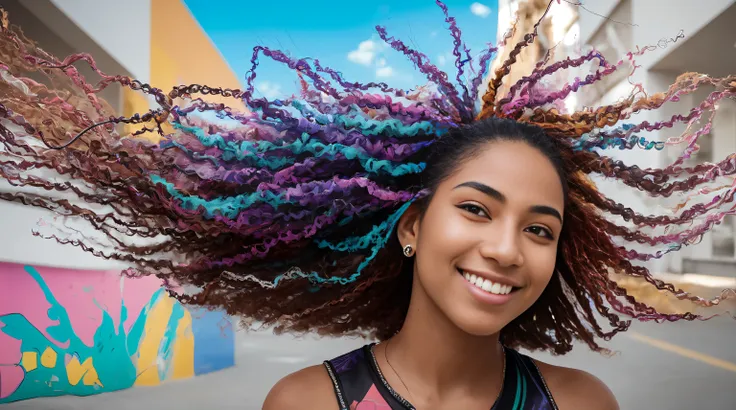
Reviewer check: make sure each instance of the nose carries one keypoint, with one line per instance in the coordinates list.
(502, 245)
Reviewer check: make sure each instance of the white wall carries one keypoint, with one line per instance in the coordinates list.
(18, 245)
(658, 19)
(651, 21)
(122, 28)
(589, 22)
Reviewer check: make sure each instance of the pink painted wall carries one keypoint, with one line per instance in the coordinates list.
(79, 291)
(56, 321)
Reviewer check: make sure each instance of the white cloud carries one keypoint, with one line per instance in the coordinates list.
(441, 60)
(370, 54)
(365, 53)
(480, 10)
(326, 97)
(433, 34)
(385, 72)
(269, 90)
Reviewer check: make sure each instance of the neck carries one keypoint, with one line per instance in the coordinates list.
(438, 356)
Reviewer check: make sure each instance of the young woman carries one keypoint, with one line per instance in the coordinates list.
(453, 233)
(487, 262)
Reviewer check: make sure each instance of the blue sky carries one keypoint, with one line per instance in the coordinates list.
(341, 35)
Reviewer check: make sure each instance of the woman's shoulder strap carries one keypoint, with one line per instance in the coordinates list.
(523, 386)
(351, 376)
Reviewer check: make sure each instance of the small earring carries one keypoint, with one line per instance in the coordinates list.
(408, 251)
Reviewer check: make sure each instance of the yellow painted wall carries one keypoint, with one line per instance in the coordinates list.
(181, 53)
(148, 352)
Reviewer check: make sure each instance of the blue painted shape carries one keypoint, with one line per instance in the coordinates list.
(214, 340)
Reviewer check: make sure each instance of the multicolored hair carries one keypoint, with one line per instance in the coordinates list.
(285, 214)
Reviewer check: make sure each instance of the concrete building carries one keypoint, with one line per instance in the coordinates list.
(689, 37)
(69, 324)
(150, 40)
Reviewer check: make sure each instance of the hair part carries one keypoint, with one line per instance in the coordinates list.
(463, 143)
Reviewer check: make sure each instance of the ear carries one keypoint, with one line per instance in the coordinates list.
(407, 229)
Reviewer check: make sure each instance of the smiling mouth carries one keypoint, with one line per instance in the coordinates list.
(487, 285)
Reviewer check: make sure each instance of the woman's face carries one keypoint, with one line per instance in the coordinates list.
(487, 243)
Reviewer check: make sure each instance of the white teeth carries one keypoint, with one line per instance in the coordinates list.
(487, 285)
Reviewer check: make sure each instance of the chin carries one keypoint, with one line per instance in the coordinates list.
(478, 323)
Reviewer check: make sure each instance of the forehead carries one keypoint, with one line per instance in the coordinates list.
(516, 169)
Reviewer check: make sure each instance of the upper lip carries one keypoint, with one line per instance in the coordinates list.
(493, 277)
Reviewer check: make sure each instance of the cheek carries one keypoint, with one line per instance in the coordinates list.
(540, 264)
(441, 241)
(443, 234)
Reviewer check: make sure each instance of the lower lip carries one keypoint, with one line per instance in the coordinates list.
(487, 297)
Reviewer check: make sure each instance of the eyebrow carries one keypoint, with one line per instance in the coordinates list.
(485, 189)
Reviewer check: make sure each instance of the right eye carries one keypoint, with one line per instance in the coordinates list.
(474, 209)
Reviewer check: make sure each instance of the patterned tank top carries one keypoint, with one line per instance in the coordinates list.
(360, 385)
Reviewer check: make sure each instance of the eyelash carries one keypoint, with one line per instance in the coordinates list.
(545, 230)
(476, 210)
(471, 207)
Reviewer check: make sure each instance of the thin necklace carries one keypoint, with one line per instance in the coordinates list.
(385, 355)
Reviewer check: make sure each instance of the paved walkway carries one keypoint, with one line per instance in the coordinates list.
(672, 366)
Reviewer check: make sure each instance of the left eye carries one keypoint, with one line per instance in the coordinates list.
(540, 231)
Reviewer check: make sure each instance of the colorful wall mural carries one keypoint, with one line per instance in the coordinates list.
(65, 331)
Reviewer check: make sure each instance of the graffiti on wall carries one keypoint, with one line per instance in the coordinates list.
(88, 332)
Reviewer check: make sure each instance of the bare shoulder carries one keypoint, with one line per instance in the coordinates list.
(309, 388)
(577, 389)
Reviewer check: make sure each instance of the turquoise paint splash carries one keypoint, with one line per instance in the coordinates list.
(112, 352)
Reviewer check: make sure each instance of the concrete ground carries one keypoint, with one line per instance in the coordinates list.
(672, 366)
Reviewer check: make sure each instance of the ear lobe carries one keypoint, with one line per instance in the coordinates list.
(407, 228)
